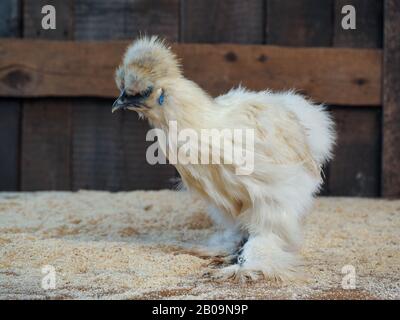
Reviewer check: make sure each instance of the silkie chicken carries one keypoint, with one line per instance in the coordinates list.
(262, 211)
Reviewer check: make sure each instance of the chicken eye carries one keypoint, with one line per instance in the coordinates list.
(161, 98)
(146, 93)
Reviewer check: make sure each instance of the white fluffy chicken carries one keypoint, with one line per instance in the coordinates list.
(262, 210)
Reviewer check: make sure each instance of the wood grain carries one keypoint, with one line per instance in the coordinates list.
(46, 135)
(335, 76)
(10, 18)
(220, 21)
(9, 144)
(368, 32)
(9, 108)
(97, 147)
(355, 170)
(46, 145)
(32, 23)
(126, 19)
(391, 103)
(109, 151)
(227, 21)
(302, 23)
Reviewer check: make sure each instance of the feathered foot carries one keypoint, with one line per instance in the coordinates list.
(229, 259)
(218, 255)
(261, 258)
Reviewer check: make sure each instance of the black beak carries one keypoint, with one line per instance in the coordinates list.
(119, 103)
(125, 101)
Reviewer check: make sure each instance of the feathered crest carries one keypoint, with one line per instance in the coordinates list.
(153, 56)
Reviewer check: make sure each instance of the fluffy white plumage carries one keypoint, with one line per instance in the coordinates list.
(261, 211)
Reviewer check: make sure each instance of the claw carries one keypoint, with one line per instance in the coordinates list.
(236, 274)
(227, 260)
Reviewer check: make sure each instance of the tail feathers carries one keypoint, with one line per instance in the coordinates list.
(320, 127)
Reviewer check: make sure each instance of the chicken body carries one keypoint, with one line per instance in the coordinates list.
(293, 138)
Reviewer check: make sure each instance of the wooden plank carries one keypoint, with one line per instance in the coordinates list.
(9, 108)
(216, 21)
(137, 172)
(97, 147)
(299, 23)
(46, 125)
(355, 171)
(9, 142)
(336, 76)
(391, 103)
(32, 11)
(109, 151)
(126, 19)
(368, 32)
(355, 168)
(9, 18)
(46, 143)
(220, 21)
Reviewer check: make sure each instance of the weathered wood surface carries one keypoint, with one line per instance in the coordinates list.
(126, 19)
(9, 144)
(46, 123)
(109, 151)
(355, 170)
(227, 21)
(391, 103)
(10, 18)
(9, 108)
(335, 76)
(368, 32)
(82, 146)
(300, 23)
(32, 19)
(220, 21)
(46, 145)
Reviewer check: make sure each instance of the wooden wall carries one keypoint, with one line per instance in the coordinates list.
(306, 23)
(73, 143)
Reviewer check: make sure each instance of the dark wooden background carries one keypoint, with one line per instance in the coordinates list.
(65, 143)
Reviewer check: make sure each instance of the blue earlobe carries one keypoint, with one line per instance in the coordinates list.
(161, 99)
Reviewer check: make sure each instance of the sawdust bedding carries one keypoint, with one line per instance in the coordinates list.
(124, 246)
